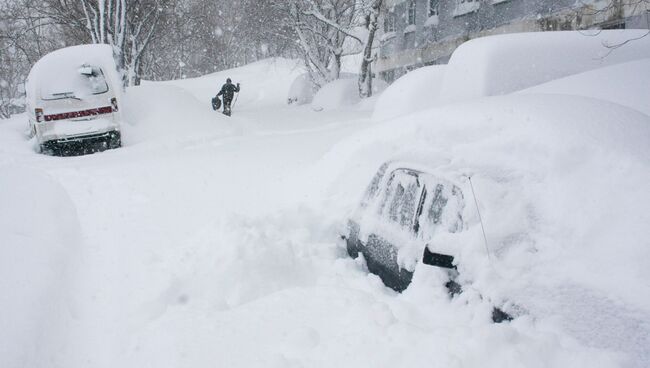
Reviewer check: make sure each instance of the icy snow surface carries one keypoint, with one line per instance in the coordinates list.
(209, 241)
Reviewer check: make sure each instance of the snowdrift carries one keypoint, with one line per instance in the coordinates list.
(498, 65)
(417, 90)
(165, 112)
(343, 93)
(40, 245)
(264, 83)
(302, 90)
(340, 93)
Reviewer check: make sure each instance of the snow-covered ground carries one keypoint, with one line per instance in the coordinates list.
(211, 241)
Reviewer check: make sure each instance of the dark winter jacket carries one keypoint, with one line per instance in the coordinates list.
(228, 91)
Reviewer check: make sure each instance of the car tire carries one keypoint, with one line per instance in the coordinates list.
(115, 140)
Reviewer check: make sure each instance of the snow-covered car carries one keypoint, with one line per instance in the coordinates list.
(73, 100)
(405, 204)
(551, 227)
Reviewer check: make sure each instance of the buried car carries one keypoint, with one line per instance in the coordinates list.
(559, 173)
(73, 99)
(402, 211)
(561, 185)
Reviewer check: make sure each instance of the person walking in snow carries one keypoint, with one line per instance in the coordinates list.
(228, 91)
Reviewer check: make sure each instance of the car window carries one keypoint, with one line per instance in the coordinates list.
(437, 205)
(402, 198)
(73, 82)
(443, 208)
(373, 187)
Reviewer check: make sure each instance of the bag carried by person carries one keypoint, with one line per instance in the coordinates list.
(216, 103)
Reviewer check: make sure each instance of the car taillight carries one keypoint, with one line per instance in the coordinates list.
(114, 104)
(39, 115)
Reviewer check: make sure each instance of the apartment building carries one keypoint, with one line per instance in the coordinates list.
(425, 32)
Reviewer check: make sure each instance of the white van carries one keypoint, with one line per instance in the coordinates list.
(73, 101)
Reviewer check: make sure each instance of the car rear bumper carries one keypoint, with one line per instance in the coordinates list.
(75, 146)
(75, 130)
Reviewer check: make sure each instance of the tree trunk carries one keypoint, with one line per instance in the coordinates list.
(365, 75)
(336, 67)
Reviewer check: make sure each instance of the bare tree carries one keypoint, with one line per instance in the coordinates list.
(25, 36)
(196, 37)
(127, 25)
(322, 27)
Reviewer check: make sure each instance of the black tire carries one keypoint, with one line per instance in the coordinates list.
(115, 140)
(48, 149)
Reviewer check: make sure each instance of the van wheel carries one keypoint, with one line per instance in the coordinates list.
(115, 140)
(45, 149)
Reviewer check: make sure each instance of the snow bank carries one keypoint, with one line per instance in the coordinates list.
(624, 84)
(168, 111)
(561, 184)
(415, 91)
(497, 65)
(264, 83)
(39, 241)
(302, 90)
(344, 93)
(337, 94)
(157, 111)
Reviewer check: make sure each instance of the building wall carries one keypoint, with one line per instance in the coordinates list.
(433, 40)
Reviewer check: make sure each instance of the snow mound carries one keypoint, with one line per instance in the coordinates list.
(263, 83)
(39, 239)
(624, 84)
(302, 90)
(502, 64)
(158, 111)
(337, 94)
(417, 90)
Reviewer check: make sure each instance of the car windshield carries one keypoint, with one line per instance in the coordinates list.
(73, 82)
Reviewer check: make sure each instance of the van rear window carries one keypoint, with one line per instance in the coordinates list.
(73, 82)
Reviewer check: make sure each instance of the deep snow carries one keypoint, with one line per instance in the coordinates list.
(209, 241)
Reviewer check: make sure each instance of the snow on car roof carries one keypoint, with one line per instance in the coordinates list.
(502, 64)
(58, 66)
(625, 84)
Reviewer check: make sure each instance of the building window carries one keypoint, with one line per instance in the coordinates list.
(389, 22)
(466, 6)
(411, 13)
(433, 8)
